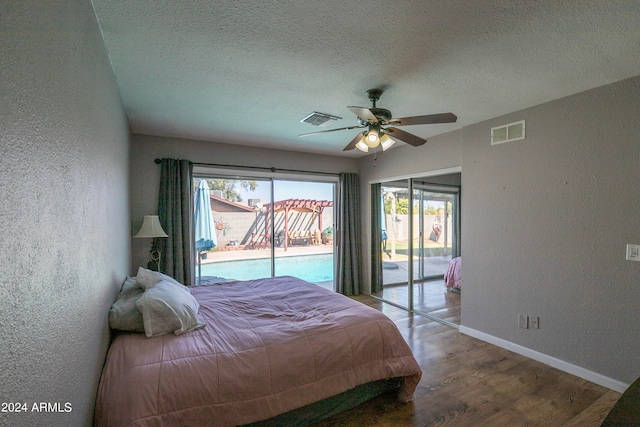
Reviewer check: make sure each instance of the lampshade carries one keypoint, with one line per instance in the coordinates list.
(151, 227)
(371, 139)
(386, 142)
(362, 146)
(374, 138)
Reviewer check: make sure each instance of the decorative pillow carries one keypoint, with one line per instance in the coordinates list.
(124, 315)
(168, 309)
(147, 278)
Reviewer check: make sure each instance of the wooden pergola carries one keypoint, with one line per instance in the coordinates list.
(297, 205)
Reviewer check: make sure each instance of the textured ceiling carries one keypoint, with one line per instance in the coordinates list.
(246, 71)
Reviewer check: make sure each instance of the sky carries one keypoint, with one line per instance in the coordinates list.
(290, 190)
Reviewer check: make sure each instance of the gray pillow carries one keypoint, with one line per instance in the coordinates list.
(124, 315)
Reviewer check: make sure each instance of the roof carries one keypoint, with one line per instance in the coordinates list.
(219, 204)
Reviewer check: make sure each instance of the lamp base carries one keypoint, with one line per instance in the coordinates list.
(154, 260)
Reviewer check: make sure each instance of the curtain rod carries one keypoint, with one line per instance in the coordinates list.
(271, 169)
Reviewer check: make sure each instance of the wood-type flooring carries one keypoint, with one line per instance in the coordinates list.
(467, 382)
(430, 297)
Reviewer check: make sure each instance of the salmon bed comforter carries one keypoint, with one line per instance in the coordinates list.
(269, 346)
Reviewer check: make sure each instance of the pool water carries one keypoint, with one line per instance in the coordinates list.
(312, 268)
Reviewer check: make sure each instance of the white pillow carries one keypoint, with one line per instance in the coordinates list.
(147, 278)
(124, 315)
(168, 309)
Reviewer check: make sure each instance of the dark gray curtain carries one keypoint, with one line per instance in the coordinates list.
(376, 238)
(349, 247)
(175, 210)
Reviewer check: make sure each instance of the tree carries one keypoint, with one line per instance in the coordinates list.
(228, 187)
(402, 205)
(431, 209)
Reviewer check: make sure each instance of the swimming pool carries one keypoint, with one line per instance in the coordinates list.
(312, 268)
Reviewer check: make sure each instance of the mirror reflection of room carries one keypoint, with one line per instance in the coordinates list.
(420, 245)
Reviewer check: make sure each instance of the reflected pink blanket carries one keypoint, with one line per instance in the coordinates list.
(453, 276)
(269, 346)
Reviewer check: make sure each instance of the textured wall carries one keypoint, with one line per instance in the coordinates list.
(64, 214)
(545, 222)
(551, 216)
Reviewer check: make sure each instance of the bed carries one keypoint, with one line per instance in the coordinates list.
(269, 348)
(453, 276)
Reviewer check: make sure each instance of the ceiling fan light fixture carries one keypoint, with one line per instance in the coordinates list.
(362, 146)
(374, 120)
(386, 142)
(372, 139)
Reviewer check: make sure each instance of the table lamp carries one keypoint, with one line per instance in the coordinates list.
(151, 228)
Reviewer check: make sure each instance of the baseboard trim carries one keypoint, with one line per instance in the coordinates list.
(570, 368)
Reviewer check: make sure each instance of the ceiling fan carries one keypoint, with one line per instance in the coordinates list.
(373, 119)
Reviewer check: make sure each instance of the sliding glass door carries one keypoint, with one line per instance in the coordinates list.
(268, 227)
(303, 224)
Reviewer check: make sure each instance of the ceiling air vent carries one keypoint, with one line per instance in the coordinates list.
(319, 119)
(507, 133)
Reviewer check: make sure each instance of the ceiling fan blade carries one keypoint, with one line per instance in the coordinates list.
(364, 113)
(425, 120)
(328, 130)
(354, 141)
(403, 136)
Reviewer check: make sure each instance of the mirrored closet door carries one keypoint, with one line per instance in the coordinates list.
(419, 230)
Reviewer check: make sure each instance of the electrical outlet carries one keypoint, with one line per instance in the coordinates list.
(523, 321)
(534, 321)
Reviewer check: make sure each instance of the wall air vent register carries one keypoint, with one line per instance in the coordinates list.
(507, 133)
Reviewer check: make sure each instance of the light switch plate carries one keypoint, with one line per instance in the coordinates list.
(633, 252)
(523, 321)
